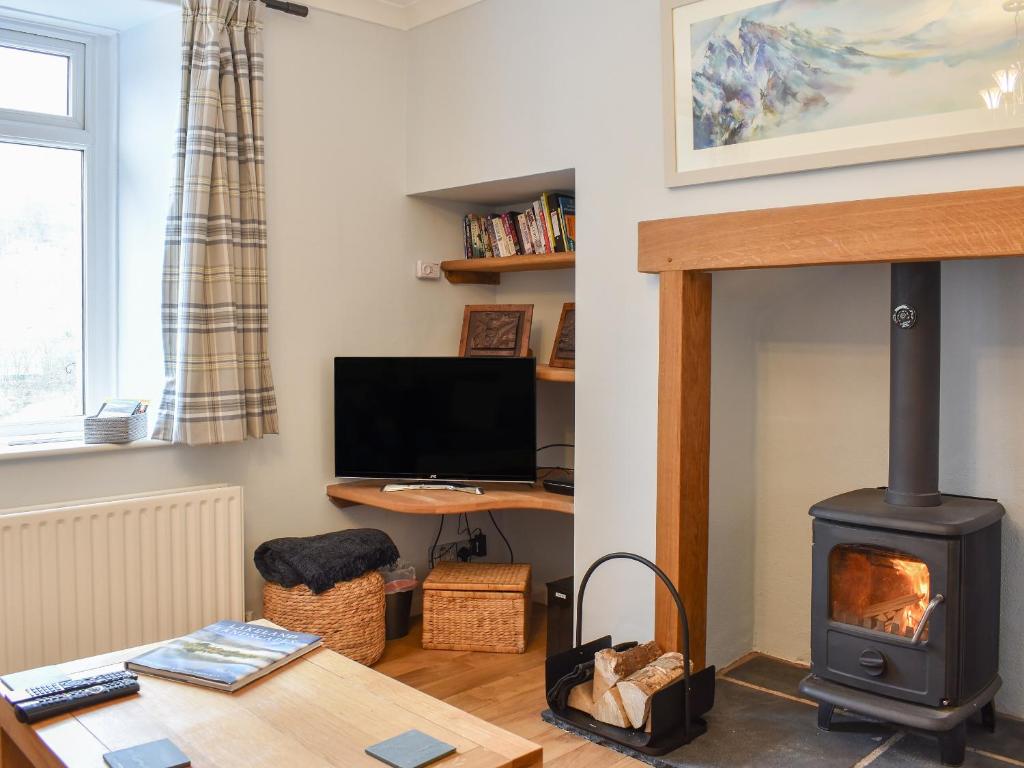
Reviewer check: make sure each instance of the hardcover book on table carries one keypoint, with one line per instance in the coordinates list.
(227, 655)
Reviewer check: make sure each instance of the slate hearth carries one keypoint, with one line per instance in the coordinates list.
(761, 719)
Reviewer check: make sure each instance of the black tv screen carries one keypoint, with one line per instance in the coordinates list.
(435, 418)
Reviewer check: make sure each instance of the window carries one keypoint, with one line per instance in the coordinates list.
(57, 276)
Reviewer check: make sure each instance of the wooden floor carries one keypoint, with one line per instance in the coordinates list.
(504, 689)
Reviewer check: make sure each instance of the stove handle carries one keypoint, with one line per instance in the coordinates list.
(916, 639)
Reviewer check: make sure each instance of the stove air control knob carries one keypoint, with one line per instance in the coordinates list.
(873, 662)
(904, 316)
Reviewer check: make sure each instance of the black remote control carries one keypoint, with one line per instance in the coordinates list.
(67, 686)
(34, 710)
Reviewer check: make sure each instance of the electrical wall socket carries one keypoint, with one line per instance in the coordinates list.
(448, 551)
(428, 270)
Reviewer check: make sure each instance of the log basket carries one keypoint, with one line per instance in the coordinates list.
(676, 710)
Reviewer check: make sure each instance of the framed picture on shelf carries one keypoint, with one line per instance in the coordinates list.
(563, 354)
(758, 88)
(496, 330)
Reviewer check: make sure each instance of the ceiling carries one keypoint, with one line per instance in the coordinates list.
(400, 14)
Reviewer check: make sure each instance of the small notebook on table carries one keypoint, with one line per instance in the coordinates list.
(412, 749)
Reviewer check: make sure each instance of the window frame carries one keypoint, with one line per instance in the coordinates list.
(92, 129)
(74, 51)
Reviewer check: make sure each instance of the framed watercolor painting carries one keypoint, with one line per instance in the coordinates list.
(758, 88)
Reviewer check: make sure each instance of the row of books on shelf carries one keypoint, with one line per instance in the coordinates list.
(548, 226)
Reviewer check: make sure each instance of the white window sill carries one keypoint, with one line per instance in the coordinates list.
(46, 450)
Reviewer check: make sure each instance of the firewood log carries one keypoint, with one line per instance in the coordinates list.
(889, 606)
(609, 709)
(611, 666)
(582, 697)
(637, 689)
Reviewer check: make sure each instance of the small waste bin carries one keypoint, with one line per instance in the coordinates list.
(399, 583)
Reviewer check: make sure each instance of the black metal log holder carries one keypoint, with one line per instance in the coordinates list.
(676, 710)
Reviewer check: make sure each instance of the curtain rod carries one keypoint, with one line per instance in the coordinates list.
(293, 8)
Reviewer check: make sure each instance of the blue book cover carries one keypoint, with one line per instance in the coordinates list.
(412, 749)
(225, 655)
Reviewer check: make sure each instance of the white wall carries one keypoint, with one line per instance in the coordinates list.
(797, 354)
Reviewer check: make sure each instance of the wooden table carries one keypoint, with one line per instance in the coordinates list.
(321, 710)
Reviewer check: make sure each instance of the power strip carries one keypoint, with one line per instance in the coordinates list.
(459, 551)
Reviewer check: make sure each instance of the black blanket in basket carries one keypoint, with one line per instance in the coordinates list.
(322, 561)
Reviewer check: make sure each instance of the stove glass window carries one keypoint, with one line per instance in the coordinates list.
(878, 589)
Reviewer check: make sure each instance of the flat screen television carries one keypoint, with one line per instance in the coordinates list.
(435, 418)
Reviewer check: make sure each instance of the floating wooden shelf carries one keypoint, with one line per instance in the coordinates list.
(495, 496)
(550, 373)
(488, 271)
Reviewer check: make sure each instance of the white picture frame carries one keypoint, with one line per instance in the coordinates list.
(920, 136)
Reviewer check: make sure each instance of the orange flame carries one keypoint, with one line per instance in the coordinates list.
(916, 574)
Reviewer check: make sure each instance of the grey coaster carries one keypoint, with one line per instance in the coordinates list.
(153, 754)
(411, 749)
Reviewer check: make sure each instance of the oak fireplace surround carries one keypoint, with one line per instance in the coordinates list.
(684, 252)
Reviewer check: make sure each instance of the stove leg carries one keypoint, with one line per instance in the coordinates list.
(988, 716)
(825, 716)
(953, 745)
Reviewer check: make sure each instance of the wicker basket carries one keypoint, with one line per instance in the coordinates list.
(477, 607)
(349, 616)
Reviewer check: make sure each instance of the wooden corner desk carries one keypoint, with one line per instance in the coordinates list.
(433, 502)
(320, 711)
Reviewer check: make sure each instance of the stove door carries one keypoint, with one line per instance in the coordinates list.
(871, 593)
(879, 588)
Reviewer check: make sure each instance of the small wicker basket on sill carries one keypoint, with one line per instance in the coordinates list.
(349, 616)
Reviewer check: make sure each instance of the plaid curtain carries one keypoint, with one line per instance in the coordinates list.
(219, 387)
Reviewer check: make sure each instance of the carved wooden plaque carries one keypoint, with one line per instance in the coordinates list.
(563, 354)
(496, 330)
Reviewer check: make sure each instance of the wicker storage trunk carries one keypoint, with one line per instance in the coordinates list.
(349, 616)
(477, 607)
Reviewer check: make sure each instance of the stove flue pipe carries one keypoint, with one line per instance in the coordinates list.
(914, 357)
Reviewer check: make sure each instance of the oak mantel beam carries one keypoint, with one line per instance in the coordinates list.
(977, 224)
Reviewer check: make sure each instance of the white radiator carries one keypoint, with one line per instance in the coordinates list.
(94, 576)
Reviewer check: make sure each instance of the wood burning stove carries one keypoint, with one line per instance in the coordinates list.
(905, 590)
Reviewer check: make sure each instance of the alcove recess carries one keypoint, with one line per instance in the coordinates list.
(547, 281)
